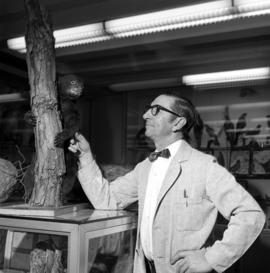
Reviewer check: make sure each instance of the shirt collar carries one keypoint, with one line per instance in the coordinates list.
(174, 147)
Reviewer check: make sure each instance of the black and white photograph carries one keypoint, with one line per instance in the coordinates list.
(134, 136)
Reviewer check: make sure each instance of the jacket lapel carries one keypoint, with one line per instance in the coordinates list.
(174, 170)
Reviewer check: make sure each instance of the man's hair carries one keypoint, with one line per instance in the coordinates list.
(185, 108)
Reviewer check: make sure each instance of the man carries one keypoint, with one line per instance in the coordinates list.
(179, 197)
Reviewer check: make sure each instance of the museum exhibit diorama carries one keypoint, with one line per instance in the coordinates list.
(92, 67)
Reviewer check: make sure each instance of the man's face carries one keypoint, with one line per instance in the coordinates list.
(160, 126)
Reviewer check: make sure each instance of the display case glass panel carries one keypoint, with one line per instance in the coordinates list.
(83, 241)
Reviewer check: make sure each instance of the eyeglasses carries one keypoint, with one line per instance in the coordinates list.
(156, 108)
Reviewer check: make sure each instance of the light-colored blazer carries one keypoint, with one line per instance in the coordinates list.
(195, 188)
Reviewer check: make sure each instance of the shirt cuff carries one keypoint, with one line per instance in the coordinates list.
(212, 258)
(85, 160)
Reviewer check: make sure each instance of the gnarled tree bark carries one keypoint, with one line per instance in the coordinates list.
(49, 163)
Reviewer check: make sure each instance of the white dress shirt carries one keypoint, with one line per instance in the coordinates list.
(155, 179)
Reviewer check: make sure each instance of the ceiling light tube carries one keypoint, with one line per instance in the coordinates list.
(252, 74)
(68, 37)
(171, 19)
(11, 97)
(17, 44)
(139, 85)
(251, 5)
(183, 25)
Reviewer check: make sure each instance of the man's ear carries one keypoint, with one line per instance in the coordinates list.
(179, 123)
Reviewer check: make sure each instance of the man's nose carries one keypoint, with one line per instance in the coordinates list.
(146, 114)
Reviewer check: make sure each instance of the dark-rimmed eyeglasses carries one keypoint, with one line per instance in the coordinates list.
(156, 108)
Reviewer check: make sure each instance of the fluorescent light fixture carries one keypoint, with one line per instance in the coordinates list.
(140, 85)
(258, 136)
(243, 75)
(263, 119)
(11, 97)
(251, 5)
(251, 105)
(17, 44)
(166, 19)
(171, 19)
(67, 37)
(80, 35)
(236, 106)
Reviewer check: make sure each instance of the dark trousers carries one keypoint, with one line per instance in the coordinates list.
(150, 266)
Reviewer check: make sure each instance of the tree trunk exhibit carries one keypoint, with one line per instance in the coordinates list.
(40, 56)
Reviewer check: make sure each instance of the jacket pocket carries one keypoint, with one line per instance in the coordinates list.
(189, 212)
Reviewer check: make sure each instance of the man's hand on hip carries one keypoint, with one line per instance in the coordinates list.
(191, 262)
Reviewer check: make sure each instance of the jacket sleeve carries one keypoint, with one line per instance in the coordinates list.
(102, 194)
(246, 219)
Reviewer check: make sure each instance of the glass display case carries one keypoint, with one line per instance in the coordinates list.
(88, 241)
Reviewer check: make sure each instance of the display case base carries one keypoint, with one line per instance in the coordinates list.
(27, 210)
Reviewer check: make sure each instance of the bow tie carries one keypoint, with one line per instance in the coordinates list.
(164, 153)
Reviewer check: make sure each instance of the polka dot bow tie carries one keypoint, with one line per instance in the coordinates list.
(154, 155)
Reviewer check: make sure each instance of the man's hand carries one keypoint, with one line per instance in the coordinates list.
(79, 145)
(191, 262)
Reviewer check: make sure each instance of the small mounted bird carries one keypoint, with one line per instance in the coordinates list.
(255, 131)
(213, 136)
(253, 144)
(268, 120)
(229, 127)
(198, 130)
(247, 91)
(240, 125)
(266, 166)
(221, 159)
(236, 166)
(251, 135)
